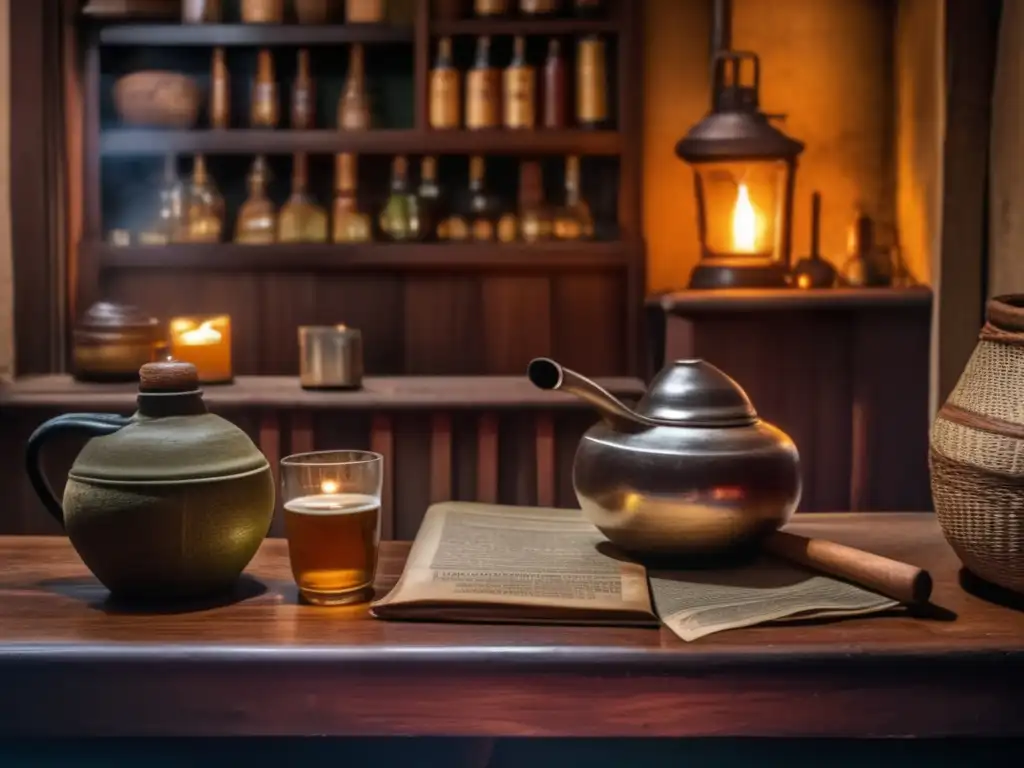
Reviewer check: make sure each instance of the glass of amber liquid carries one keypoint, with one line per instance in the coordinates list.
(332, 521)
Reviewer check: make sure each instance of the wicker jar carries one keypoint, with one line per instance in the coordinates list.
(977, 452)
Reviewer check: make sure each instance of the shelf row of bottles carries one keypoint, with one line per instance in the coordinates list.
(509, 98)
(484, 97)
(530, 9)
(194, 211)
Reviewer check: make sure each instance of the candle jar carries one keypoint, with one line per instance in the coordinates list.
(332, 522)
(206, 343)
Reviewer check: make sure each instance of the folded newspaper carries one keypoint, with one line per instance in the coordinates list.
(492, 563)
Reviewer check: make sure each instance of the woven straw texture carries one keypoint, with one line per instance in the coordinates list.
(977, 474)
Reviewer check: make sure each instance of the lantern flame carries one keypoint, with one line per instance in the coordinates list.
(203, 334)
(329, 486)
(744, 222)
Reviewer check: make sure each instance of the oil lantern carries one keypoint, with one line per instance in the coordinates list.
(744, 170)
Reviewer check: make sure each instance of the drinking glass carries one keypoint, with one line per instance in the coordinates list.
(332, 521)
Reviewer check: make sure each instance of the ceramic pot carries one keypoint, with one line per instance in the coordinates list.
(977, 452)
(171, 502)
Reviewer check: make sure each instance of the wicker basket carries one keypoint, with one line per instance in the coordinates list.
(157, 99)
(977, 452)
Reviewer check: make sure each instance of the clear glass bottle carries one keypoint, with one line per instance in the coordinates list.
(257, 218)
(168, 224)
(399, 218)
(574, 220)
(354, 105)
(301, 220)
(204, 206)
(350, 224)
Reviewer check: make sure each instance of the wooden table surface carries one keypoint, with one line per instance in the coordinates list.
(72, 664)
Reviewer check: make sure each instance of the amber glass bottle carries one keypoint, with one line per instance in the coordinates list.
(591, 83)
(574, 220)
(554, 87)
(303, 95)
(483, 86)
(490, 8)
(535, 8)
(535, 217)
(354, 106)
(301, 219)
(350, 224)
(220, 91)
(445, 89)
(257, 218)
(364, 11)
(520, 82)
(264, 107)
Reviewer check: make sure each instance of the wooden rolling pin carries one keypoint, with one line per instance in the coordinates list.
(891, 578)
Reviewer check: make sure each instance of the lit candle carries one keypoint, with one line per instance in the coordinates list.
(744, 222)
(206, 343)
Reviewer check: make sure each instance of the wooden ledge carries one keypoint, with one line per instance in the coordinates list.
(792, 299)
(284, 392)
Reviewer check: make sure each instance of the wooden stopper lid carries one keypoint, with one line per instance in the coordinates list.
(168, 376)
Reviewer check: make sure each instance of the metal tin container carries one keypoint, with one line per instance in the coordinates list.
(330, 357)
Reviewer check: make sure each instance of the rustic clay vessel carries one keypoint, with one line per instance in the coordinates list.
(977, 452)
(171, 502)
(157, 99)
(112, 341)
(691, 471)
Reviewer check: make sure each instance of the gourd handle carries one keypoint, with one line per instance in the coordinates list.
(92, 424)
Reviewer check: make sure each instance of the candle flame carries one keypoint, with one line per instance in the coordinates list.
(204, 334)
(744, 222)
(329, 486)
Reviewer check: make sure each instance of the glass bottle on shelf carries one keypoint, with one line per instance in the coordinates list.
(220, 91)
(399, 219)
(303, 95)
(483, 89)
(354, 106)
(168, 226)
(349, 225)
(588, 8)
(535, 219)
(301, 220)
(257, 218)
(444, 88)
(490, 8)
(204, 206)
(264, 108)
(534, 8)
(483, 214)
(520, 89)
(554, 87)
(364, 11)
(429, 202)
(262, 11)
(591, 83)
(200, 11)
(574, 220)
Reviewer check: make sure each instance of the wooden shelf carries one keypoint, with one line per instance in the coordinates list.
(132, 141)
(327, 257)
(477, 27)
(284, 392)
(252, 34)
(781, 299)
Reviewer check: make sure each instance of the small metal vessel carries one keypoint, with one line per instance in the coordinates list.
(330, 357)
(692, 471)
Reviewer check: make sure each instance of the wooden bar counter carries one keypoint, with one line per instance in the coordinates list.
(73, 665)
